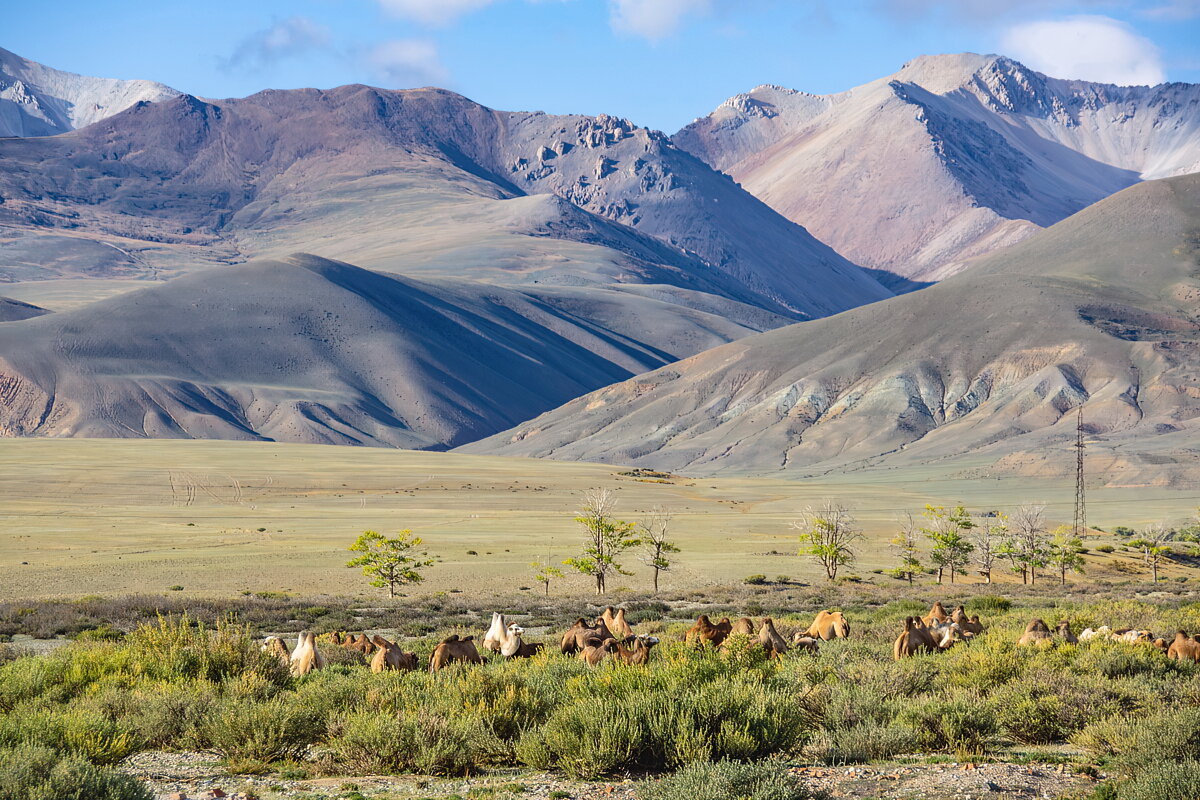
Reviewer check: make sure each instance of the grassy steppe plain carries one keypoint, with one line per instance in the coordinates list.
(119, 516)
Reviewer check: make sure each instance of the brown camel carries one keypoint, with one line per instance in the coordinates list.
(389, 657)
(577, 635)
(829, 625)
(1064, 630)
(616, 623)
(1184, 648)
(744, 626)
(937, 613)
(276, 647)
(802, 641)
(972, 626)
(770, 639)
(454, 649)
(595, 650)
(1036, 631)
(634, 650)
(705, 631)
(914, 639)
(959, 616)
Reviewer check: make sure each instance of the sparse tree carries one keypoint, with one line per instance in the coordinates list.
(1026, 546)
(988, 537)
(605, 538)
(390, 562)
(906, 545)
(828, 534)
(947, 530)
(1154, 547)
(1065, 552)
(655, 544)
(544, 572)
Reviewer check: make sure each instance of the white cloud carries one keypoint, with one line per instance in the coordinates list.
(1174, 10)
(406, 63)
(290, 37)
(654, 19)
(433, 12)
(1090, 48)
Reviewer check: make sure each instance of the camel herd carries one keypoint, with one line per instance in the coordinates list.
(611, 638)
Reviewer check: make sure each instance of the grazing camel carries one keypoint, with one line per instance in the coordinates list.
(1184, 648)
(1064, 630)
(306, 657)
(389, 657)
(595, 650)
(616, 623)
(769, 638)
(705, 631)
(1036, 631)
(828, 625)
(454, 649)
(937, 613)
(276, 647)
(634, 650)
(578, 634)
(744, 626)
(495, 636)
(914, 639)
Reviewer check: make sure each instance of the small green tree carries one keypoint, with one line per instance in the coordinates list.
(544, 572)
(655, 544)
(828, 535)
(1154, 547)
(390, 562)
(605, 538)
(947, 530)
(907, 546)
(1065, 552)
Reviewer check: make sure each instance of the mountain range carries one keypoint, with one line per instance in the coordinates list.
(949, 159)
(413, 269)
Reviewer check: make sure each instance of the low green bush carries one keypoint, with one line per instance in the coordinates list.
(723, 780)
(40, 773)
(1162, 780)
(245, 730)
(370, 742)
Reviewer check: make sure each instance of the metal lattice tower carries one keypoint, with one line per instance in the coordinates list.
(1080, 504)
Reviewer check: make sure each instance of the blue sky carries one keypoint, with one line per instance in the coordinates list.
(658, 62)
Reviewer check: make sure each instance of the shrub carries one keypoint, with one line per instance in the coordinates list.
(869, 741)
(40, 773)
(755, 580)
(963, 726)
(78, 729)
(989, 604)
(369, 742)
(726, 779)
(251, 730)
(1162, 780)
(1105, 548)
(1134, 744)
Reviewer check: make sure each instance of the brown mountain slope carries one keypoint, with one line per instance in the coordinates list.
(1101, 310)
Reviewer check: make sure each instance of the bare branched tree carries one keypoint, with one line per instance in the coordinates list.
(828, 534)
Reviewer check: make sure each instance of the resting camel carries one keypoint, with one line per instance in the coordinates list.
(1036, 631)
(1064, 630)
(389, 657)
(306, 657)
(596, 650)
(1162, 645)
(937, 613)
(514, 646)
(495, 636)
(829, 625)
(1184, 648)
(744, 626)
(1129, 636)
(1103, 632)
(705, 631)
(276, 647)
(577, 635)
(616, 623)
(914, 639)
(972, 626)
(634, 650)
(362, 643)
(454, 649)
(770, 639)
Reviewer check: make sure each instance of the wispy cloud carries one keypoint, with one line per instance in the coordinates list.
(433, 12)
(654, 19)
(284, 39)
(1086, 47)
(405, 63)
(1174, 10)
